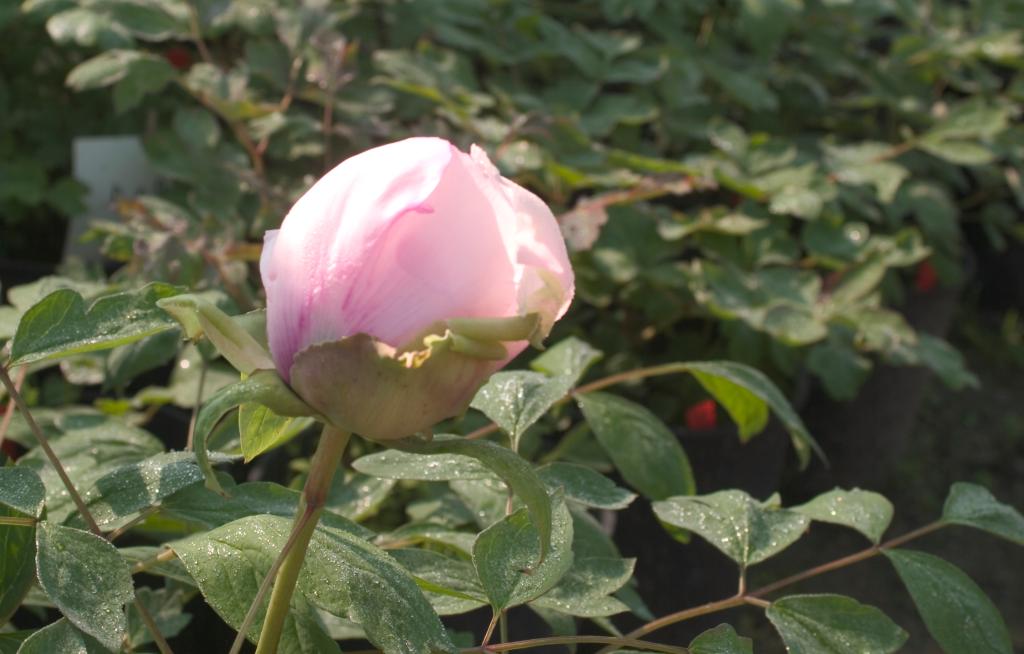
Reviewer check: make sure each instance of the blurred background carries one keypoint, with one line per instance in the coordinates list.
(828, 190)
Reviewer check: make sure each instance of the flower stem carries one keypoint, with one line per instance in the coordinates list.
(314, 494)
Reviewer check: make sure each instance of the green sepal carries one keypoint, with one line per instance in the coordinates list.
(199, 317)
(262, 387)
(517, 328)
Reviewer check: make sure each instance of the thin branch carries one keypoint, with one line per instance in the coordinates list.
(164, 556)
(490, 630)
(196, 33)
(755, 597)
(120, 531)
(44, 443)
(9, 410)
(856, 557)
(613, 641)
(154, 630)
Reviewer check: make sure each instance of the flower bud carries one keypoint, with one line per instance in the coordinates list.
(405, 277)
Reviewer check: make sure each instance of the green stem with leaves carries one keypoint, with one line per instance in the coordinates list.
(314, 494)
(755, 597)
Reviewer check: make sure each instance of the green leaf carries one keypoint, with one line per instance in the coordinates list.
(61, 324)
(742, 528)
(356, 496)
(517, 399)
(867, 512)
(200, 317)
(62, 636)
(757, 383)
(722, 639)
(260, 429)
(568, 358)
(963, 153)
(87, 28)
(747, 410)
(113, 66)
(833, 624)
(957, 613)
(585, 589)
(515, 471)
(973, 506)
(146, 19)
(450, 584)
(133, 487)
(585, 485)
(10, 641)
(858, 282)
(644, 451)
(144, 76)
(22, 490)
(840, 367)
(17, 561)
(86, 578)
(396, 464)
(199, 505)
(506, 554)
(230, 562)
(343, 575)
(88, 453)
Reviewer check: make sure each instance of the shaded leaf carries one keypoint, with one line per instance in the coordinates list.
(722, 639)
(957, 613)
(833, 624)
(973, 506)
(645, 452)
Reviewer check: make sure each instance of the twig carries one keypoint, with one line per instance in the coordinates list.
(44, 443)
(490, 630)
(83, 510)
(120, 531)
(196, 33)
(9, 410)
(755, 597)
(162, 557)
(154, 630)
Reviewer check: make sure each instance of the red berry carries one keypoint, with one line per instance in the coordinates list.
(926, 278)
(179, 56)
(702, 416)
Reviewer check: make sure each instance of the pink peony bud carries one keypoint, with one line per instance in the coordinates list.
(395, 244)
